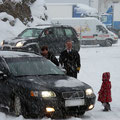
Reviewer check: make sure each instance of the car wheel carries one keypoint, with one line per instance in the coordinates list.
(81, 113)
(108, 43)
(17, 106)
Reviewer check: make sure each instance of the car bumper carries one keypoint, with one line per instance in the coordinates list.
(13, 48)
(33, 48)
(115, 41)
(38, 107)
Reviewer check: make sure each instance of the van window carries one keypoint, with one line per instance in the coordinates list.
(68, 32)
(101, 28)
(104, 18)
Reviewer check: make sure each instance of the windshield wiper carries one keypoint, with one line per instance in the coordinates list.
(54, 74)
(24, 75)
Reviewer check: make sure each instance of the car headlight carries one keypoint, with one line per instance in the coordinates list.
(20, 44)
(47, 94)
(2, 43)
(89, 91)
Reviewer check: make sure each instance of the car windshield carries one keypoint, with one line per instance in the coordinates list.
(30, 32)
(30, 66)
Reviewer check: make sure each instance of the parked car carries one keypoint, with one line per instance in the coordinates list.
(31, 85)
(54, 36)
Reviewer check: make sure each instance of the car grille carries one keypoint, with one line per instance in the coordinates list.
(73, 95)
(12, 43)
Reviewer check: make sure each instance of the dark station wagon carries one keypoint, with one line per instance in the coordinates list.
(31, 85)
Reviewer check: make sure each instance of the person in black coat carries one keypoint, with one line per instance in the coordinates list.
(49, 55)
(70, 60)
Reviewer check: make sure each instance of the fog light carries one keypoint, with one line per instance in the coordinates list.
(90, 107)
(49, 109)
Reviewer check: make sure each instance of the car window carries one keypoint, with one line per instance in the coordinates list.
(2, 66)
(32, 32)
(32, 66)
(58, 32)
(69, 32)
(47, 32)
(101, 28)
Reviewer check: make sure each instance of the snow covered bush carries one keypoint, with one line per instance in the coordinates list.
(16, 15)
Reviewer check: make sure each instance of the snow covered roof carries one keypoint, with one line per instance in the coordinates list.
(82, 8)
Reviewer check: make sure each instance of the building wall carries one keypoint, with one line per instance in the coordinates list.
(58, 11)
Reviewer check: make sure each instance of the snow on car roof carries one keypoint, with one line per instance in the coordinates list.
(43, 26)
(8, 54)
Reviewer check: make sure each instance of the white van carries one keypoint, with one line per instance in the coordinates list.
(90, 30)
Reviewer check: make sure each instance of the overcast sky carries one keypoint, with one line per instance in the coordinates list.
(68, 1)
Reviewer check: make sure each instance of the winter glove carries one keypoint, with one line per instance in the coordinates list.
(78, 69)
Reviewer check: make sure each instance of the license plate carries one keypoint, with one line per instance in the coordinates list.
(77, 102)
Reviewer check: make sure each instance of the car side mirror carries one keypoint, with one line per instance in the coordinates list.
(2, 75)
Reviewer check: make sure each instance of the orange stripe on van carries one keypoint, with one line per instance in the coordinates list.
(87, 36)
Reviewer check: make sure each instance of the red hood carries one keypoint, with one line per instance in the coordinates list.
(106, 76)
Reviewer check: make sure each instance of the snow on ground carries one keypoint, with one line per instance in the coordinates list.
(95, 60)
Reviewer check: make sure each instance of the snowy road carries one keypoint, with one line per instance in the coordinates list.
(96, 60)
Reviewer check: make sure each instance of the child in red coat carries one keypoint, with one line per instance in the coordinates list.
(105, 92)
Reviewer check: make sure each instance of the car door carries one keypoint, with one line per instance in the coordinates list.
(59, 39)
(102, 33)
(5, 87)
(48, 38)
(71, 33)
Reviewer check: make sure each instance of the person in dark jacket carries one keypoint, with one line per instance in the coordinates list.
(49, 55)
(105, 91)
(70, 60)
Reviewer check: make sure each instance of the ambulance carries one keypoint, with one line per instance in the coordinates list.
(90, 30)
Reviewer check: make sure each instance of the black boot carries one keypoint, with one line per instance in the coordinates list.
(106, 107)
(109, 108)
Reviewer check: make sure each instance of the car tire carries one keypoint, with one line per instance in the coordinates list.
(81, 113)
(17, 106)
(108, 43)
